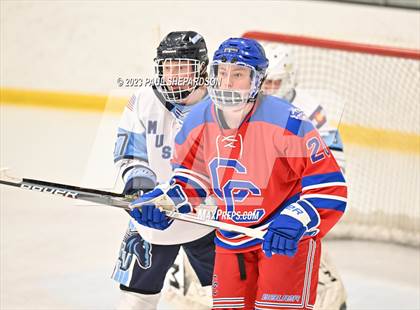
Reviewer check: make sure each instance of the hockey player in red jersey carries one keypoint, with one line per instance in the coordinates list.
(267, 168)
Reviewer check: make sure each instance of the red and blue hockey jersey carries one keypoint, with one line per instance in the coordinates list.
(275, 158)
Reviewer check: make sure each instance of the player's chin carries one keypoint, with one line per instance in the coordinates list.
(234, 108)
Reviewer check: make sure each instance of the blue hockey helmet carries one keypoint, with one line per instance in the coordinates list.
(239, 52)
(242, 51)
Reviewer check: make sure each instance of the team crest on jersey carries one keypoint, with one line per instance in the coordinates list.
(234, 191)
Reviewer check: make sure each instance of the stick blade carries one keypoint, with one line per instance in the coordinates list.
(5, 178)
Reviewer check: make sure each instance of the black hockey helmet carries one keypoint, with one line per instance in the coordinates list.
(183, 44)
(180, 46)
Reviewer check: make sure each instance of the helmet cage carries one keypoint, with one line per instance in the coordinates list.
(183, 76)
(233, 97)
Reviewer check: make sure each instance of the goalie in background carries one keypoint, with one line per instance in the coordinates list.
(143, 150)
(281, 81)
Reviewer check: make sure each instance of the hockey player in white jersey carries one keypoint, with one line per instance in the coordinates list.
(281, 81)
(143, 149)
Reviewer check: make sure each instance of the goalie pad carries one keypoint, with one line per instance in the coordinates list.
(183, 289)
(331, 294)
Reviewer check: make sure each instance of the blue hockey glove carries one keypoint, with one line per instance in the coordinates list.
(151, 216)
(283, 236)
(138, 180)
(148, 209)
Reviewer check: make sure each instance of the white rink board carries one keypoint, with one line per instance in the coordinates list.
(86, 46)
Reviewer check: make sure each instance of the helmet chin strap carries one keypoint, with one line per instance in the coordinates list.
(258, 94)
(260, 83)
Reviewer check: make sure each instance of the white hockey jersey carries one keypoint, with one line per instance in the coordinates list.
(146, 137)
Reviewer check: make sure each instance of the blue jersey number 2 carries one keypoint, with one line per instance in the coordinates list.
(313, 144)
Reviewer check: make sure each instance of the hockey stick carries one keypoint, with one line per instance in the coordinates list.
(119, 201)
(69, 191)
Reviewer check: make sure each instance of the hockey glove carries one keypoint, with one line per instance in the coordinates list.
(148, 209)
(151, 216)
(283, 236)
(138, 180)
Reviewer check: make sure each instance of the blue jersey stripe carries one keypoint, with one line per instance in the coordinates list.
(235, 247)
(331, 204)
(322, 178)
(281, 113)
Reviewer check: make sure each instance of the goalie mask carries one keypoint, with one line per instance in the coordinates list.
(281, 74)
(237, 72)
(180, 65)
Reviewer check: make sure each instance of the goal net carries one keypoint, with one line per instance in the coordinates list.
(379, 88)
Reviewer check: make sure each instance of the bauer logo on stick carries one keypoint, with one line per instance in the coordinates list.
(53, 191)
